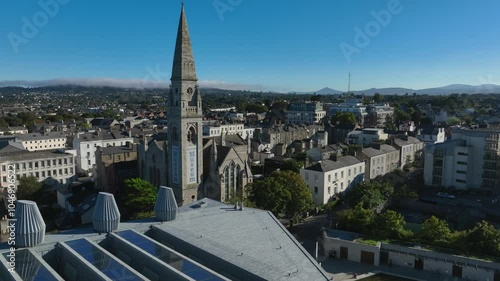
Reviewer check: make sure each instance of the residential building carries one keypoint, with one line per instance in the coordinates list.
(432, 135)
(326, 152)
(57, 165)
(380, 159)
(354, 106)
(470, 160)
(86, 145)
(366, 136)
(114, 165)
(380, 112)
(43, 141)
(215, 129)
(18, 130)
(410, 148)
(305, 113)
(328, 178)
(407, 126)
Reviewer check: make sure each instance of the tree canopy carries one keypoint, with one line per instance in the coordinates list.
(27, 188)
(140, 195)
(371, 195)
(434, 230)
(344, 119)
(282, 193)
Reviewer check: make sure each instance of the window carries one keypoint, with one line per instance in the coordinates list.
(461, 163)
(306, 176)
(89, 163)
(342, 174)
(3, 168)
(329, 179)
(315, 189)
(328, 190)
(461, 181)
(315, 178)
(461, 172)
(463, 153)
(65, 161)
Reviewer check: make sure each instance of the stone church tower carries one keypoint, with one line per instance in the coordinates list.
(184, 117)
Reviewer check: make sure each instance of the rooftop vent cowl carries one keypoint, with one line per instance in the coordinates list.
(30, 227)
(166, 205)
(106, 217)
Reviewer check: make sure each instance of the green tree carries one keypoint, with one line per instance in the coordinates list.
(140, 195)
(484, 238)
(391, 224)
(357, 219)
(344, 119)
(292, 165)
(435, 231)
(282, 193)
(378, 98)
(371, 195)
(27, 188)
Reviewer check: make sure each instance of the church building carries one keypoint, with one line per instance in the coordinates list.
(192, 166)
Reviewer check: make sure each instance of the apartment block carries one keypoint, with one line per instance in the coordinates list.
(470, 160)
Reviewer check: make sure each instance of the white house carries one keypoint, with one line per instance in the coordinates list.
(86, 145)
(45, 141)
(328, 178)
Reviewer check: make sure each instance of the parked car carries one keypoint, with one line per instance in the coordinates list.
(446, 195)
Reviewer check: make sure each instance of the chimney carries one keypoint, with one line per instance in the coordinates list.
(129, 133)
(30, 227)
(106, 217)
(166, 205)
(236, 205)
(242, 207)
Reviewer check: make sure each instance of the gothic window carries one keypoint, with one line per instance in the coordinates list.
(226, 183)
(232, 180)
(191, 137)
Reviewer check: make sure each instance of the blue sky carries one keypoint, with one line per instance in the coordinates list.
(258, 44)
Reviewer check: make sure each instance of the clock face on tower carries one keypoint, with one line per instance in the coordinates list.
(190, 91)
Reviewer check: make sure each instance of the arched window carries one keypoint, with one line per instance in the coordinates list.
(227, 190)
(191, 137)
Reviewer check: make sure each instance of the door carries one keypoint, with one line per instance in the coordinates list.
(344, 253)
(457, 271)
(368, 257)
(384, 257)
(419, 264)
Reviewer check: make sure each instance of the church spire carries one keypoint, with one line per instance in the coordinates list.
(183, 68)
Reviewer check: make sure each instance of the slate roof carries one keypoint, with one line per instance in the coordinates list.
(329, 165)
(38, 136)
(384, 149)
(411, 140)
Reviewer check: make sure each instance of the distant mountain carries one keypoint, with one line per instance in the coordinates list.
(446, 90)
